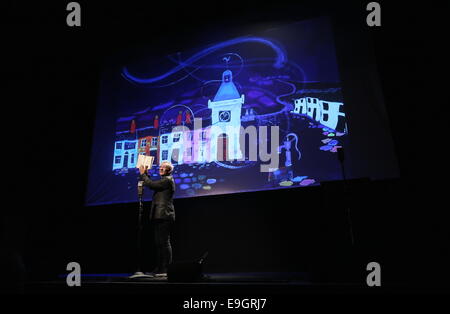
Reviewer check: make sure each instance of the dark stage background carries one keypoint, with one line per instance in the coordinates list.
(52, 79)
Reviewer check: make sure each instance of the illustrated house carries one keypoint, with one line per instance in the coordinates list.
(332, 117)
(300, 106)
(147, 144)
(171, 147)
(125, 154)
(326, 112)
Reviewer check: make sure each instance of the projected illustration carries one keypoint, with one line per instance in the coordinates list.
(245, 114)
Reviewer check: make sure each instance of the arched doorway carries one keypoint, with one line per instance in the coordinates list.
(125, 160)
(222, 147)
(175, 156)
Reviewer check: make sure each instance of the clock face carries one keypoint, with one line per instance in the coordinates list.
(224, 116)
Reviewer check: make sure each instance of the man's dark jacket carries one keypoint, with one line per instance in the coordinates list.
(162, 202)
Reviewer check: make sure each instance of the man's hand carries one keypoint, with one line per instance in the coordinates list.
(142, 170)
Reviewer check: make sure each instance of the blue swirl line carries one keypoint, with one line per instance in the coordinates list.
(280, 60)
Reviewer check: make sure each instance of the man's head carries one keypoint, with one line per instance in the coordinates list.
(165, 168)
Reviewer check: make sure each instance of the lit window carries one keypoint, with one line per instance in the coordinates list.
(130, 145)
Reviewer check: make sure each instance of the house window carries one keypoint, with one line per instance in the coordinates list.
(130, 145)
(176, 137)
(132, 158)
(118, 159)
(164, 139)
(315, 100)
(154, 141)
(203, 135)
(325, 106)
(118, 145)
(164, 155)
(144, 142)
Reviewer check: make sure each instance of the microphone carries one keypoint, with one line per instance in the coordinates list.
(204, 256)
(140, 188)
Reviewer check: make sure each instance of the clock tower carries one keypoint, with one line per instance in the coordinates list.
(226, 117)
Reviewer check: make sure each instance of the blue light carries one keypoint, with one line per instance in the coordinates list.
(281, 58)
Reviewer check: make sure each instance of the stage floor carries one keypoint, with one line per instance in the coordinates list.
(237, 284)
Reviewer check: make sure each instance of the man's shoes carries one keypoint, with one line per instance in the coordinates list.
(160, 275)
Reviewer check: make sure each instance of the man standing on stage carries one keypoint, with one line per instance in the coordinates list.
(162, 214)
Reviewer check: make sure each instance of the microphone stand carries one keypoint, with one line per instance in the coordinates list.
(139, 274)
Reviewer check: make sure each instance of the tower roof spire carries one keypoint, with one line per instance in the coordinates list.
(227, 89)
